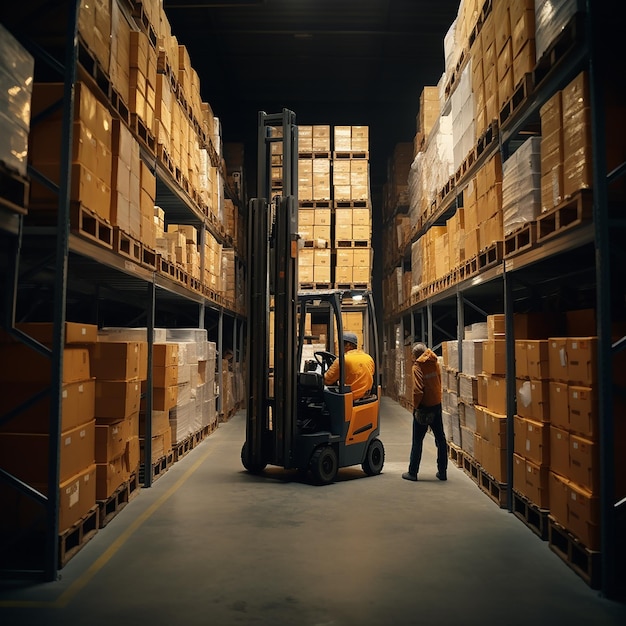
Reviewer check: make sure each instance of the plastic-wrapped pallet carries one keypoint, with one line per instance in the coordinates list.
(463, 123)
(551, 17)
(451, 354)
(115, 333)
(521, 185)
(182, 419)
(472, 357)
(16, 82)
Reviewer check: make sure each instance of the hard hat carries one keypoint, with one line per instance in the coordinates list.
(350, 338)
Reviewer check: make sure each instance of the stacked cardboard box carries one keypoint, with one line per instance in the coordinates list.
(24, 439)
(91, 150)
(119, 368)
(337, 215)
(566, 158)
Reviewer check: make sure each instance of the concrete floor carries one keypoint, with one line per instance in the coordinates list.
(211, 544)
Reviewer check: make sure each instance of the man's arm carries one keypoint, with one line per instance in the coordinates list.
(418, 385)
(332, 375)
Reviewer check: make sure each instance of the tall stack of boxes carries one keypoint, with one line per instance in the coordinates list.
(119, 368)
(333, 219)
(24, 439)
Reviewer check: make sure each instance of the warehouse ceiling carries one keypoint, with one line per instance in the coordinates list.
(339, 62)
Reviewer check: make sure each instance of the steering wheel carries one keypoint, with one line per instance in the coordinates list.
(325, 359)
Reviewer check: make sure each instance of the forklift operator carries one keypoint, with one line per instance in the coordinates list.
(359, 368)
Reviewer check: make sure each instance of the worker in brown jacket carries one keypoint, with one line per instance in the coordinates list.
(426, 411)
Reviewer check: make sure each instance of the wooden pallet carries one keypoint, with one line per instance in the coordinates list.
(125, 245)
(142, 18)
(143, 133)
(496, 490)
(466, 165)
(14, 190)
(520, 94)
(521, 240)
(353, 243)
(487, 139)
(352, 204)
(351, 154)
(148, 257)
(352, 286)
(91, 67)
(164, 158)
(490, 256)
(455, 74)
(315, 204)
(533, 516)
(471, 467)
(110, 507)
(313, 243)
(455, 454)
(315, 154)
(119, 105)
(569, 214)
(73, 539)
(89, 225)
(158, 468)
(585, 562)
(315, 286)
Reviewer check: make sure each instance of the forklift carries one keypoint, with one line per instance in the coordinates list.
(294, 420)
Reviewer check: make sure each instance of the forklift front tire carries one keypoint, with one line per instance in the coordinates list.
(253, 468)
(374, 458)
(324, 465)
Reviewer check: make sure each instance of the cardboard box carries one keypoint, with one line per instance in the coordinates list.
(540, 400)
(163, 399)
(110, 476)
(537, 356)
(536, 485)
(133, 454)
(496, 394)
(524, 397)
(584, 467)
(584, 516)
(117, 399)
(558, 487)
(559, 451)
(582, 360)
(521, 364)
(557, 359)
(116, 360)
(494, 461)
(559, 404)
(496, 428)
(77, 495)
(532, 440)
(25, 365)
(494, 357)
(165, 376)
(165, 354)
(25, 455)
(77, 406)
(583, 411)
(111, 440)
(75, 333)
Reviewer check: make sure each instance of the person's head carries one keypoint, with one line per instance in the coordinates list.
(349, 341)
(418, 349)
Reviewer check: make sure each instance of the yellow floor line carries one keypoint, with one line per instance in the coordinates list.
(66, 597)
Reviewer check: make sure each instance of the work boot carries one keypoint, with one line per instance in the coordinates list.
(442, 475)
(409, 476)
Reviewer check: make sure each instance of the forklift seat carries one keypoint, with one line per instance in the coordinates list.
(312, 381)
(371, 397)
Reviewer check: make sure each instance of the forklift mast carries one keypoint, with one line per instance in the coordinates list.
(272, 285)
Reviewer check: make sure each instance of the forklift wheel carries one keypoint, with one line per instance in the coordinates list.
(374, 458)
(253, 468)
(324, 465)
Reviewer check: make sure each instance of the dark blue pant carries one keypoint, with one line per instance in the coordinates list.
(419, 432)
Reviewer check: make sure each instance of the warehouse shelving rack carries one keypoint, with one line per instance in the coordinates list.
(583, 266)
(56, 270)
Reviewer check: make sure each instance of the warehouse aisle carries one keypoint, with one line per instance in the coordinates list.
(211, 544)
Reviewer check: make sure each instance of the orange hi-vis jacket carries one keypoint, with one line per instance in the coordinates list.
(426, 380)
(359, 372)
